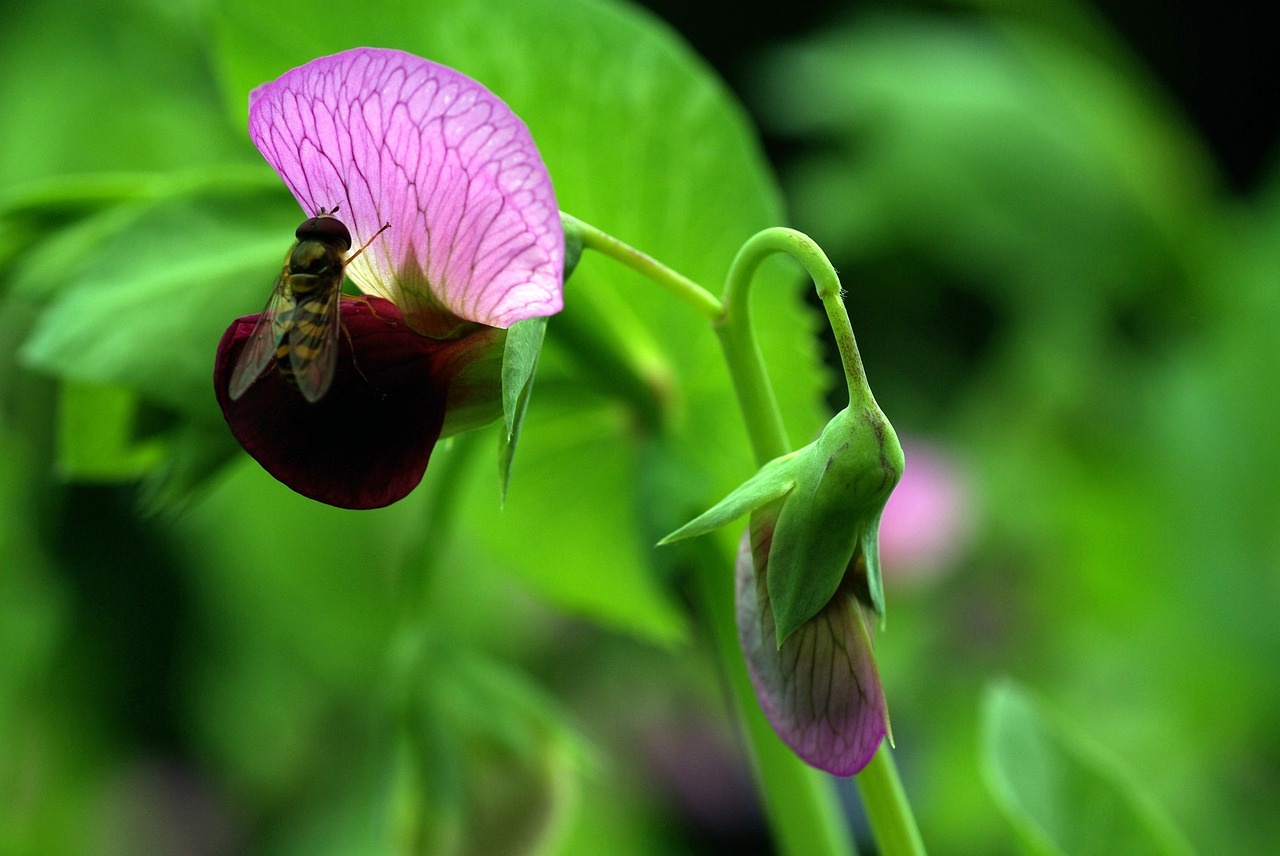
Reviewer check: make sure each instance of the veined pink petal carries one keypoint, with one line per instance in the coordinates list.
(821, 690)
(393, 138)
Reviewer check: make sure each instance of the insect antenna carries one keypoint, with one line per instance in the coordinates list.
(352, 257)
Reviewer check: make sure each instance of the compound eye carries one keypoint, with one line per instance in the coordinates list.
(326, 229)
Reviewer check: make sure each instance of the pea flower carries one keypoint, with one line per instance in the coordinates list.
(807, 587)
(473, 244)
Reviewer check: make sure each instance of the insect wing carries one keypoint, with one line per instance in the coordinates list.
(260, 350)
(313, 342)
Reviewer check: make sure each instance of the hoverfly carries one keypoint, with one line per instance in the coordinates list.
(299, 327)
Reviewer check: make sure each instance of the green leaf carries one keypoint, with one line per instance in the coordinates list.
(96, 437)
(772, 482)
(70, 118)
(519, 363)
(52, 226)
(61, 195)
(570, 532)
(145, 309)
(31, 212)
(196, 451)
(1061, 794)
(573, 246)
(869, 539)
(50, 254)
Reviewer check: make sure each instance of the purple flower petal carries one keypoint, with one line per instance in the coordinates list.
(366, 443)
(821, 690)
(928, 522)
(393, 138)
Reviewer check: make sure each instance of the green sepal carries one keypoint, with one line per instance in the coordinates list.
(811, 550)
(870, 545)
(832, 494)
(519, 364)
(833, 516)
(573, 244)
(773, 481)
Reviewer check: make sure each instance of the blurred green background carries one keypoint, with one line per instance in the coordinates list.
(1059, 227)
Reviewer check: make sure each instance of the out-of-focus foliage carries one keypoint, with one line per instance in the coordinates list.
(1048, 280)
(1061, 796)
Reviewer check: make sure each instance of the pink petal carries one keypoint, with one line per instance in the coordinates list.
(821, 690)
(928, 522)
(393, 138)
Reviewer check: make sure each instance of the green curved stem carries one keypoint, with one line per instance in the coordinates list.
(736, 329)
(681, 286)
(737, 335)
(892, 821)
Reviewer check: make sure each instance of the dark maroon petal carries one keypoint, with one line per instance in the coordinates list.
(366, 443)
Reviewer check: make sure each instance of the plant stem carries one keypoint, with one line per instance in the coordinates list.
(888, 811)
(737, 335)
(679, 285)
(892, 821)
(737, 307)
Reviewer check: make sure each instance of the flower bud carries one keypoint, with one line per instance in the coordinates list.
(808, 586)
